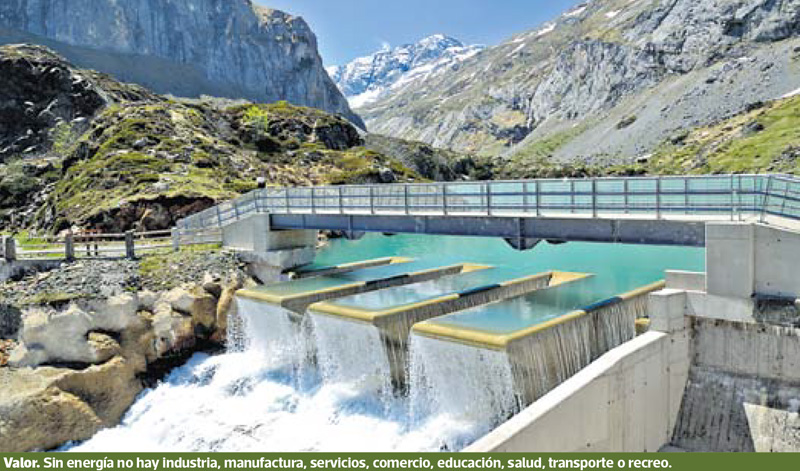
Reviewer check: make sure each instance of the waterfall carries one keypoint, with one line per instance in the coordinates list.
(254, 398)
(273, 334)
(615, 324)
(351, 352)
(543, 360)
(470, 384)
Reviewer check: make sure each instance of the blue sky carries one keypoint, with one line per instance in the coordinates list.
(347, 29)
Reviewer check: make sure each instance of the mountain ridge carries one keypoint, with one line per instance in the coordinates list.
(369, 78)
(232, 49)
(608, 80)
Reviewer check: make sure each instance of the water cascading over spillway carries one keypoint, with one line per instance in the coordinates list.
(353, 353)
(473, 385)
(534, 360)
(254, 398)
(270, 331)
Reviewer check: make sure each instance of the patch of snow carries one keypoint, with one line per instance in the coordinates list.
(576, 12)
(365, 98)
(547, 29)
(612, 14)
(791, 94)
(517, 49)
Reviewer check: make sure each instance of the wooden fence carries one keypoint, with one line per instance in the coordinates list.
(92, 245)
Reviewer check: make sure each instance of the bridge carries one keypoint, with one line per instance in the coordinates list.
(665, 210)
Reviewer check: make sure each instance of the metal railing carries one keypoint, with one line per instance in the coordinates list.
(707, 197)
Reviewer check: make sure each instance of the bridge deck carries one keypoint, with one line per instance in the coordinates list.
(647, 210)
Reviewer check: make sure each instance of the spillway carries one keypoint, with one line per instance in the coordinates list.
(390, 314)
(282, 307)
(253, 398)
(541, 349)
(322, 270)
(296, 295)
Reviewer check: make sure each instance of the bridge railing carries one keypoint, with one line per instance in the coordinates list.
(704, 197)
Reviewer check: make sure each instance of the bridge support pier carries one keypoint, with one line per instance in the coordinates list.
(269, 252)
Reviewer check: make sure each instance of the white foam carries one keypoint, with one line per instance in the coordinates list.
(249, 400)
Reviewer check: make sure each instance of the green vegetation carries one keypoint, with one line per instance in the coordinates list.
(63, 136)
(50, 298)
(626, 121)
(762, 140)
(157, 270)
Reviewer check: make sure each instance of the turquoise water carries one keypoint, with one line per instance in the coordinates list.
(310, 285)
(410, 294)
(617, 268)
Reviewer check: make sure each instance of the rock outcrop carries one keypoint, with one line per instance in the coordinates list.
(40, 91)
(187, 48)
(81, 149)
(78, 369)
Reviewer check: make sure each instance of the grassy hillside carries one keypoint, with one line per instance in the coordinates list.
(765, 139)
(81, 149)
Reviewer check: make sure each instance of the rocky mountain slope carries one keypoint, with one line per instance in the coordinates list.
(187, 48)
(79, 148)
(606, 82)
(392, 70)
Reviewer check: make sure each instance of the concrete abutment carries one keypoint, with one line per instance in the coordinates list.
(269, 252)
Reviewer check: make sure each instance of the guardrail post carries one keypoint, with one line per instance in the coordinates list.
(405, 199)
(525, 197)
(686, 196)
(538, 198)
(765, 200)
(626, 190)
(69, 247)
(219, 217)
(176, 240)
(313, 201)
(594, 198)
(785, 198)
(286, 198)
(572, 196)
(444, 199)
(9, 249)
(658, 197)
(341, 200)
(130, 251)
(488, 199)
(733, 198)
(371, 200)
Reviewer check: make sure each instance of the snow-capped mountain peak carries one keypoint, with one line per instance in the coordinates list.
(372, 77)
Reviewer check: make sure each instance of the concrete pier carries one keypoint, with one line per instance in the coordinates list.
(269, 252)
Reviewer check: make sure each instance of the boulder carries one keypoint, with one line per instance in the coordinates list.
(44, 408)
(196, 303)
(70, 336)
(226, 306)
(147, 300)
(173, 332)
(114, 314)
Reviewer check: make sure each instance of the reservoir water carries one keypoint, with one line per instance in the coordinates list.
(251, 400)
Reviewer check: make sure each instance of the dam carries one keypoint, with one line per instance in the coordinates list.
(513, 343)
(291, 387)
